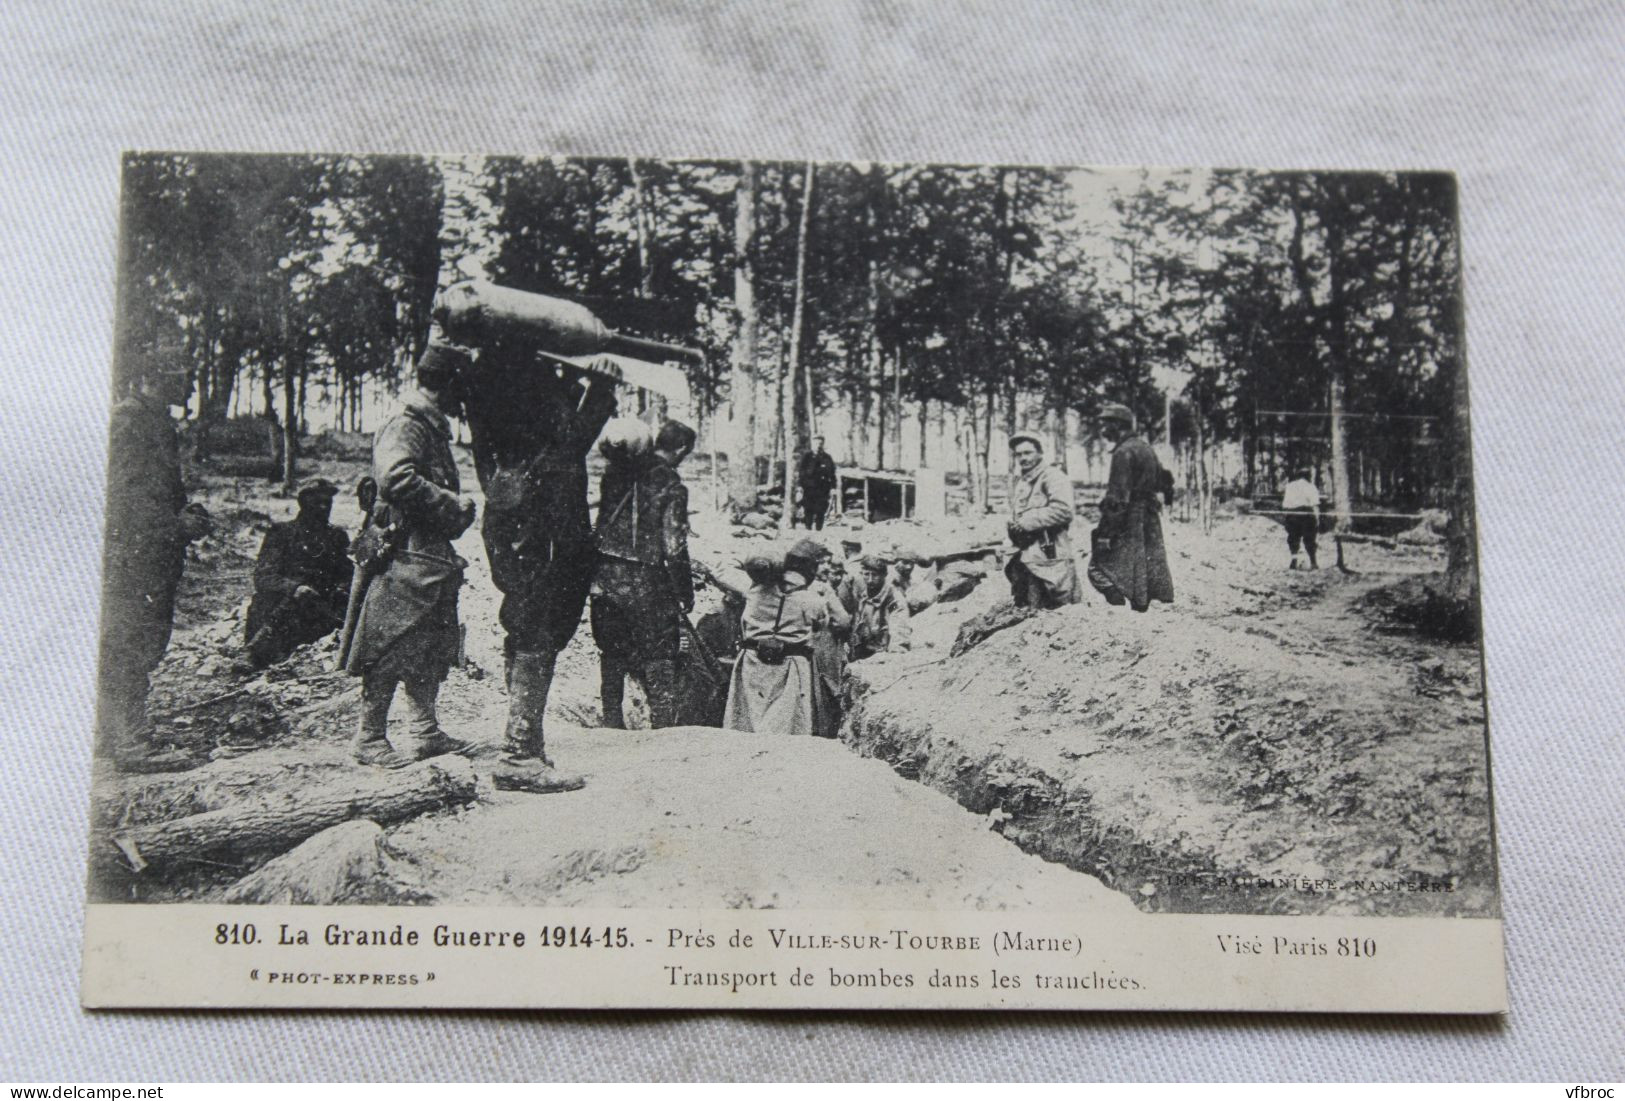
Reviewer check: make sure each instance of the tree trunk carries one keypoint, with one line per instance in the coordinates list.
(874, 368)
(812, 405)
(897, 404)
(242, 831)
(965, 443)
(857, 439)
(1204, 491)
(1342, 498)
(642, 223)
(878, 382)
(742, 463)
(787, 517)
(1461, 535)
(1337, 361)
(984, 449)
(776, 427)
(290, 427)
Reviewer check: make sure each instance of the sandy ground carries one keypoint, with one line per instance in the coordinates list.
(1262, 726)
(694, 817)
(685, 817)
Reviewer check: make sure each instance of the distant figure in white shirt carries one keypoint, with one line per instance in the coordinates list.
(1300, 500)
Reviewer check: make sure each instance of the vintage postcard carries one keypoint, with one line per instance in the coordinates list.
(605, 582)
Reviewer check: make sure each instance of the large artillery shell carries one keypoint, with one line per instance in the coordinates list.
(477, 312)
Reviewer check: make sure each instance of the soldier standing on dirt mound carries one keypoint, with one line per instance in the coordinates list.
(1127, 561)
(816, 475)
(1042, 572)
(643, 586)
(407, 631)
(532, 422)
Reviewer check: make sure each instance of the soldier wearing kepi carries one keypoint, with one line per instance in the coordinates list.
(1042, 572)
(643, 586)
(149, 525)
(301, 579)
(878, 609)
(532, 422)
(1127, 562)
(407, 632)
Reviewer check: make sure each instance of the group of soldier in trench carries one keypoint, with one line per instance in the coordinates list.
(793, 621)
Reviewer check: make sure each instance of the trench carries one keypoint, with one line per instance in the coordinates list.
(1041, 815)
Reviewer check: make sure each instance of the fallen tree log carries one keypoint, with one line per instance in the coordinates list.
(256, 828)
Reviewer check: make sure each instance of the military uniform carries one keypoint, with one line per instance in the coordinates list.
(642, 586)
(879, 620)
(816, 474)
(142, 559)
(407, 631)
(1128, 562)
(297, 553)
(771, 691)
(532, 425)
(1043, 572)
(828, 645)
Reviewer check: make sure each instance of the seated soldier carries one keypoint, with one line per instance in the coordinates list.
(879, 611)
(301, 579)
(1043, 572)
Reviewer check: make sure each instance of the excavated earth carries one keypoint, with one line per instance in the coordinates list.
(1262, 745)
(687, 817)
(1272, 742)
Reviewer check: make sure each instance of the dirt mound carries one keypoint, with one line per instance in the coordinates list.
(796, 823)
(1255, 735)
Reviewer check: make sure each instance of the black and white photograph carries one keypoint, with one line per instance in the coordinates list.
(728, 535)
(417, 417)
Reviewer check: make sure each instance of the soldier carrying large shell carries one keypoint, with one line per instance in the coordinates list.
(533, 409)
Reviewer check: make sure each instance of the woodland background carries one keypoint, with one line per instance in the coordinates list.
(926, 312)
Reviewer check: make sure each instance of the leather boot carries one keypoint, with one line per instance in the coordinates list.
(524, 765)
(612, 691)
(660, 686)
(371, 745)
(428, 740)
(132, 740)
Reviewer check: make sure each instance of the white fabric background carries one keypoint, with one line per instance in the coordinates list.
(1523, 101)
